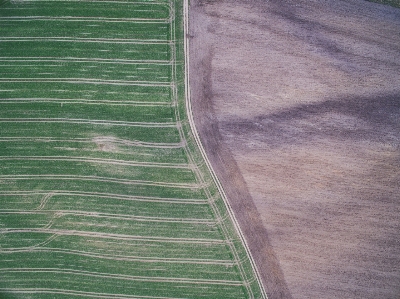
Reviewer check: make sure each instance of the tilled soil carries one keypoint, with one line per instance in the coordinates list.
(297, 104)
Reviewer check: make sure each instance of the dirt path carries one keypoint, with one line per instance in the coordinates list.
(297, 104)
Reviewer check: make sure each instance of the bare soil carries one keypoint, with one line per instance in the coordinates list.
(297, 104)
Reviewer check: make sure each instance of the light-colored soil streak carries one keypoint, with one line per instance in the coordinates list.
(297, 105)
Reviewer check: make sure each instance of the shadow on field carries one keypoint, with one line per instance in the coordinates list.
(374, 119)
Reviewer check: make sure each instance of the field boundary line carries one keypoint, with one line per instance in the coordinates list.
(204, 155)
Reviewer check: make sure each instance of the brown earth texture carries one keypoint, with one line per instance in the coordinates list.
(297, 104)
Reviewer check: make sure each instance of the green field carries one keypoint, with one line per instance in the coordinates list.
(103, 190)
(395, 3)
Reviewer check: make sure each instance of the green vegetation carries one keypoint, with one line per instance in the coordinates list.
(103, 191)
(395, 3)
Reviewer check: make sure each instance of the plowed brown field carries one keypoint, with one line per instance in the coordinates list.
(298, 107)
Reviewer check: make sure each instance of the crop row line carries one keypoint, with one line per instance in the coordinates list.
(61, 213)
(83, 101)
(88, 40)
(91, 121)
(104, 195)
(36, 248)
(101, 179)
(152, 2)
(87, 19)
(64, 232)
(87, 81)
(122, 276)
(86, 60)
(95, 160)
(78, 293)
(97, 140)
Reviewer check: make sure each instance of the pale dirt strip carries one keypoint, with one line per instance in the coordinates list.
(86, 81)
(86, 19)
(83, 101)
(204, 155)
(103, 179)
(90, 121)
(61, 213)
(122, 277)
(105, 139)
(64, 232)
(96, 160)
(199, 174)
(87, 40)
(86, 60)
(248, 281)
(114, 257)
(78, 293)
(104, 195)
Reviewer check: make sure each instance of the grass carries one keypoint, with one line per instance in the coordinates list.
(395, 3)
(103, 191)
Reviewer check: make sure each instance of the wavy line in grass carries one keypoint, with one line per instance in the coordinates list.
(103, 179)
(87, 19)
(79, 59)
(83, 101)
(63, 232)
(97, 139)
(122, 276)
(97, 160)
(78, 293)
(39, 248)
(89, 40)
(107, 195)
(88, 81)
(91, 121)
(111, 216)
